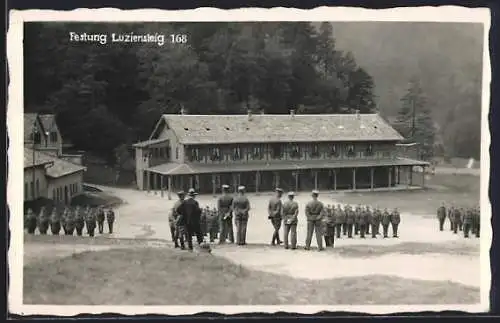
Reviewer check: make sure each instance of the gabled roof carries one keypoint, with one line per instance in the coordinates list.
(29, 120)
(59, 167)
(226, 129)
(48, 121)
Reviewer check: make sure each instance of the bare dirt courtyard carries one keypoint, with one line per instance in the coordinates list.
(421, 254)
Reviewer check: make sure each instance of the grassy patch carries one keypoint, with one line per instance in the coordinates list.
(84, 240)
(151, 276)
(458, 190)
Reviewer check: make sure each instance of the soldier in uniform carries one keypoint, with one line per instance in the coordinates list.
(224, 206)
(478, 221)
(55, 222)
(340, 220)
(212, 223)
(357, 218)
(79, 221)
(290, 220)
(362, 221)
(462, 216)
(344, 225)
(395, 220)
(377, 217)
(368, 219)
(43, 221)
(386, 220)
(457, 219)
(274, 210)
(110, 218)
(441, 215)
(329, 226)
(69, 222)
(100, 219)
(172, 219)
(451, 218)
(204, 220)
(241, 207)
(375, 222)
(90, 221)
(31, 221)
(350, 219)
(314, 214)
(468, 220)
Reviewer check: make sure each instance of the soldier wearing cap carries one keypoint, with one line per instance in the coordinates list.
(468, 220)
(241, 207)
(357, 219)
(274, 210)
(340, 221)
(386, 220)
(225, 210)
(110, 218)
(441, 215)
(362, 221)
(172, 219)
(43, 221)
(90, 221)
(55, 222)
(314, 213)
(290, 219)
(451, 218)
(212, 223)
(395, 220)
(31, 221)
(100, 219)
(377, 217)
(189, 220)
(457, 220)
(79, 221)
(329, 231)
(204, 220)
(350, 219)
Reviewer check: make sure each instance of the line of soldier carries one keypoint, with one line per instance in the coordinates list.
(70, 220)
(187, 219)
(461, 219)
(327, 221)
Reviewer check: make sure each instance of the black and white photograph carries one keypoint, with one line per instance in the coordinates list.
(265, 160)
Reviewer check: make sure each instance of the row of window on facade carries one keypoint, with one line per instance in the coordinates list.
(37, 139)
(32, 190)
(278, 151)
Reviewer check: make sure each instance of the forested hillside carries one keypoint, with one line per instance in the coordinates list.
(445, 57)
(107, 96)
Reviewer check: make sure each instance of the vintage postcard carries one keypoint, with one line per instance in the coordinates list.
(251, 160)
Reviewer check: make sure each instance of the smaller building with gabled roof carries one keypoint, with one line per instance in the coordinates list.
(294, 152)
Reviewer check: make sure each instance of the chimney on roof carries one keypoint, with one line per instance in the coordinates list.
(249, 113)
(292, 113)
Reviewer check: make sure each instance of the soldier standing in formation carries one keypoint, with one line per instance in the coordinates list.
(172, 219)
(43, 218)
(68, 222)
(451, 218)
(274, 209)
(395, 220)
(110, 217)
(368, 219)
(203, 220)
(100, 219)
(314, 214)
(224, 206)
(340, 221)
(90, 220)
(31, 221)
(362, 221)
(241, 207)
(212, 224)
(55, 222)
(350, 220)
(468, 220)
(357, 219)
(441, 215)
(386, 220)
(189, 220)
(79, 221)
(329, 226)
(477, 221)
(457, 220)
(290, 218)
(375, 222)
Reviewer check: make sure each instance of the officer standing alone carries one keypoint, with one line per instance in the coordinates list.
(290, 219)
(241, 208)
(274, 210)
(314, 214)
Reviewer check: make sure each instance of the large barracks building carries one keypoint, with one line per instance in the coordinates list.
(295, 152)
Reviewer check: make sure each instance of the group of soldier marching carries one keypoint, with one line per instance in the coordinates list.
(70, 220)
(461, 219)
(187, 219)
